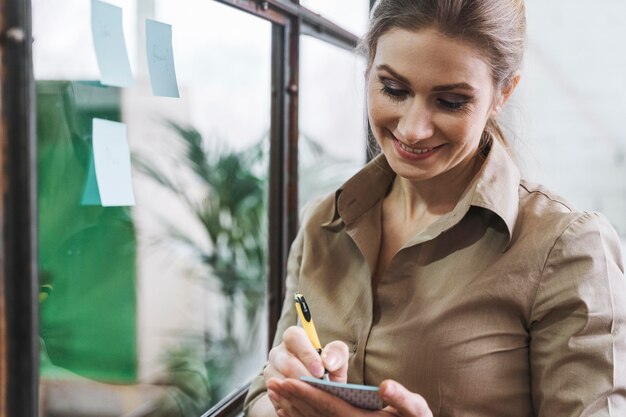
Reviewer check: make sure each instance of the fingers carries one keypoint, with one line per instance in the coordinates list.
(295, 398)
(407, 403)
(335, 359)
(294, 357)
(298, 344)
(282, 364)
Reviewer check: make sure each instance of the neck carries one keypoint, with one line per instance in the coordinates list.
(435, 196)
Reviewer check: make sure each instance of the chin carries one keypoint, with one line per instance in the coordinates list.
(410, 172)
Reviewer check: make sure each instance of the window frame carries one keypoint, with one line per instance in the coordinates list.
(19, 306)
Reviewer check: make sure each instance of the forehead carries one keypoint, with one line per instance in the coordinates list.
(429, 57)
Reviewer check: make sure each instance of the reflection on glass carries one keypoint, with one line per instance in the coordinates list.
(332, 117)
(350, 14)
(156, 309)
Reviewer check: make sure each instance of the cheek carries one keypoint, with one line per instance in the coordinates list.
(466, 130)
(379, 111)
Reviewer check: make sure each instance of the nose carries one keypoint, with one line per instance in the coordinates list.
(416, 123)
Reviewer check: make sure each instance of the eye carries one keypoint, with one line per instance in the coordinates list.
(453, 104)
(392, 91)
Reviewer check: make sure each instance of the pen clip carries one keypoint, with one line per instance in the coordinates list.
(306, 313)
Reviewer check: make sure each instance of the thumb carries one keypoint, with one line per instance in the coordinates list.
(335, 358)
(407, 403)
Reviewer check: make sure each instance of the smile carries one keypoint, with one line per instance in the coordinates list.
(415, 150)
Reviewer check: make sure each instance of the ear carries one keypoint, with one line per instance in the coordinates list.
(506, 91)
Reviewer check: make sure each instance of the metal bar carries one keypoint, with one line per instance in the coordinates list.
(312, 24)
(283, 163)
(230, 406)
(292, 67)
(18, 209)
(315, 25)
(4, 331)
(276, 269)
(285, 6)
(260, 9)
(314, 21)
(309, 30)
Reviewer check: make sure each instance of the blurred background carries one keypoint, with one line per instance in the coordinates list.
(160, 308)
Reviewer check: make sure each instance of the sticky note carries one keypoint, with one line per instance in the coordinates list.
(110, 45)
(91, 195)
(112, 162)
(161, 59)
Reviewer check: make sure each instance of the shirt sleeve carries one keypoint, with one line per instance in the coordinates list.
(288, 315)
(578, 325)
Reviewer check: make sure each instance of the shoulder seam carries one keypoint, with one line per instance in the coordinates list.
(548, 197)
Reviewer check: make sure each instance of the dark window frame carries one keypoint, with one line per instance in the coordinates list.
(19, 327)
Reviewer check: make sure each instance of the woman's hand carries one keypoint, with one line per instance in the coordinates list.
(402, 402)
(296, 357)
(294, 398)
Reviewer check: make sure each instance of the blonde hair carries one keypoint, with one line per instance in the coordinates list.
(497, 28)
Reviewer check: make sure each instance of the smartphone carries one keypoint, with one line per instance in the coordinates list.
(361, 396)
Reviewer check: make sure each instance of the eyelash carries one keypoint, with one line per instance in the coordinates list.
(393, 94)
(398, 96)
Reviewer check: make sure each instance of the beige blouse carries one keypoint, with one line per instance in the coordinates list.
(513, 304)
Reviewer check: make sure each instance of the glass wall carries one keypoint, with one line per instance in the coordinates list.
(157, 307)
(350, 14)
(332, 120)
(154, 308)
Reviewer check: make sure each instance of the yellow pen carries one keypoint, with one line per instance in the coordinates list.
(307, 324)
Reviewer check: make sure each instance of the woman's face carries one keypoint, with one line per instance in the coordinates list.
(429, 98)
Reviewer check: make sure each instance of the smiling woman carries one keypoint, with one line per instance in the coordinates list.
(437, 272)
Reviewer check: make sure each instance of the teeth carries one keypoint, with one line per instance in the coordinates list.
(415, 150)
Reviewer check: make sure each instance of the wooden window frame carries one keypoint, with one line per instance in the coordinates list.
(19, 326)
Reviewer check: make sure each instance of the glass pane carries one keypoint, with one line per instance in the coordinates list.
(350, 14)
(158, 308)
(571, 104)
(332, 117)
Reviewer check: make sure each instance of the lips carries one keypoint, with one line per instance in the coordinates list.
(417, 151)
(413, 152)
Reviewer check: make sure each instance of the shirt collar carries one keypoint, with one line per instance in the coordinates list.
(361, 192)
(495, 188)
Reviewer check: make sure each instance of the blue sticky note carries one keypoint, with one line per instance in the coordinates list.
(91, 195)
(112, 162)
(110, 45)
(161, 59)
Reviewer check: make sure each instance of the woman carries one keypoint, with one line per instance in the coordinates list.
(436, 272)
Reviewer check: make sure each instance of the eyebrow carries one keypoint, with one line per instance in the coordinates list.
(437, 88)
